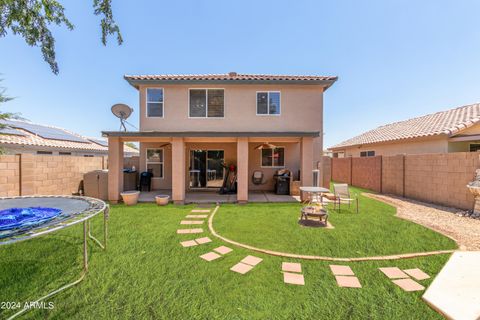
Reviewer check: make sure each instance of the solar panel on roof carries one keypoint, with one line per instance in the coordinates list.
(45, 132)
(101, 142)
(12, 132)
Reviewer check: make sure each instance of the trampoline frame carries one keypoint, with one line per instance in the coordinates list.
(98, 207)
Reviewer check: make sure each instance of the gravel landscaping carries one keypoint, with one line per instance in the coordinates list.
(448, 221)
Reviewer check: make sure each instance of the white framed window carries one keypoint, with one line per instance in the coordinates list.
(367, 154)
(154, 161)
(206, 103)
(154, 102)
(268, 103)
(273, 158)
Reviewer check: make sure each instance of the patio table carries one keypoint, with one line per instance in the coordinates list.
(315, 193)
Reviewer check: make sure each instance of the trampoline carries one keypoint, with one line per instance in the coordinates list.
(28, 217)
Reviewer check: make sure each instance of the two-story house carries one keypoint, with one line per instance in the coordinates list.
(191, 124)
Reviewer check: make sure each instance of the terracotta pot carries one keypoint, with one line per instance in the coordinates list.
(130, 198)
(162, 200)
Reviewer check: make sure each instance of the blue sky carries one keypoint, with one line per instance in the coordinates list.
(395, 59)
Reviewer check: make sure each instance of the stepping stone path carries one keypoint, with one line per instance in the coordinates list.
(394, 273)
(293, 278)
(345, 277)
(187, 231)
(209, 256)
(201, 210)
(191, 222)
(247, 264)
(223, 250)
(191, 243)
(408, 285)
(417, 274)
(196, 216)
(403, 280)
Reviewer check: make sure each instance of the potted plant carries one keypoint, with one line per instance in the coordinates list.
(130, 198)
(162, 199)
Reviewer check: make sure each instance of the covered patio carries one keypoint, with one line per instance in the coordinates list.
(237, 148)
(214, 197)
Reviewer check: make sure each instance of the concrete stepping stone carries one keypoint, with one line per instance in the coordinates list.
(408, 285)
(394, 273)
(251, 260)
(201, 210)
(292, 267)
(185, 231)
(341, 270)
(196, 216)
(191, 222)
(455, 291)
(203, 240)
(293, 278)
(223, 250)
(348, 281)
(241, 268)
(210, 256)
(417, 273)
(189, 243)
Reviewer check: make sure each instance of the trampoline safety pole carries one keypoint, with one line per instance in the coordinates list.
(85, 253)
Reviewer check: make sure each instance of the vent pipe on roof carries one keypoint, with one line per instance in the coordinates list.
(232, 74)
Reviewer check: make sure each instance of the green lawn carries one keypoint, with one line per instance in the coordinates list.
(146, 274)
(374, 231)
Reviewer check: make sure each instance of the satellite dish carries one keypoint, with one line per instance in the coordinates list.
(122, 111)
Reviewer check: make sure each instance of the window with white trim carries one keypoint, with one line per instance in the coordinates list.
(154, 99)
(206, 103)
(273, 157)
(367, 154)
(154, 160)
(268, 103)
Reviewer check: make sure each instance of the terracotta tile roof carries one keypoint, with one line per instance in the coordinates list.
(29, 139)
(229, 77)
(447, 122)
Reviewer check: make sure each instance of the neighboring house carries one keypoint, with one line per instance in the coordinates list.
(26, 137)
(455, 130)
(190, 124)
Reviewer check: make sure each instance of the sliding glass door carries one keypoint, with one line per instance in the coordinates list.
(206, 169)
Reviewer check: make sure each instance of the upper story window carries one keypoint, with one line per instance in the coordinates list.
(206, 103)
(268, 103)
(367, 154)
(273, 157)
(154, 102)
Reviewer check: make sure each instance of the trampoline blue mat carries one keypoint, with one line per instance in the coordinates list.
(14, 218)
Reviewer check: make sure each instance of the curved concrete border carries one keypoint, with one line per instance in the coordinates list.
(308, 257)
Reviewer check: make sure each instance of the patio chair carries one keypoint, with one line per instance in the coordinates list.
(342, 195)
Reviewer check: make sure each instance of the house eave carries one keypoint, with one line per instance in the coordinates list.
(137, 83)
(207, 134)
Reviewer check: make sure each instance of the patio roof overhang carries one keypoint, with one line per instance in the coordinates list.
(207, 134)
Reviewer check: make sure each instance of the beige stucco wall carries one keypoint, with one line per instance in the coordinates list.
(292, 161)
(301, 109)
(166, 181)
(437, 145)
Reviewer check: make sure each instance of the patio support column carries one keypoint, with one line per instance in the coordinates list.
(178, 170)
(242, 170)
(115, 169)
(306, 162)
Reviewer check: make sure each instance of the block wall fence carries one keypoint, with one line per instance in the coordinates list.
(28, 174)
(435, 178)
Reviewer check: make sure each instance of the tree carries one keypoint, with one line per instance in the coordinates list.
(32, 19)
(5, 115)
(131, 145)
